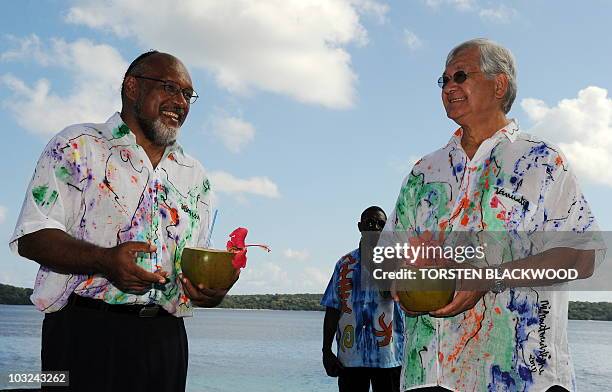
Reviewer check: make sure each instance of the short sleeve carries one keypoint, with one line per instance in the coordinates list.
(567, 217)
(330, 297)
(53, 198)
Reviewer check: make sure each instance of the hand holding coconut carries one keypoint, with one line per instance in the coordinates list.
(208, 274)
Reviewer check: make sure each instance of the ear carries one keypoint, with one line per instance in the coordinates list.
(131, 87)
(501, 85)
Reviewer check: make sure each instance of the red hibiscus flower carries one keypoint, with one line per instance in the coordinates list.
(237, 245)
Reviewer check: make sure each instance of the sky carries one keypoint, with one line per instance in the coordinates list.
(309, 110)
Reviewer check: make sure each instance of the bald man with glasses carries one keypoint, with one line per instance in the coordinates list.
(107, 214)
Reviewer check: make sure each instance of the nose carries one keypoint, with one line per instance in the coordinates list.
(180, 101)
(450, 86)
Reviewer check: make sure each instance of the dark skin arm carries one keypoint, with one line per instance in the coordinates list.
(330, 325)
(57, 250)
(60, 252)
(203, 297)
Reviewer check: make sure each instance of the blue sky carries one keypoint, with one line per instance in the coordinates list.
(310, 110)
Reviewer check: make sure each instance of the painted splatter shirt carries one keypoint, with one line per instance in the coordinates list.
(94, 182)
(370, 329)
(516, 340)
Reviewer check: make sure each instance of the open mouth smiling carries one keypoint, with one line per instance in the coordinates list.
(172, 115)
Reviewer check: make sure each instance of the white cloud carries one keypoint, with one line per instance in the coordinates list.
(293, 254)
(30, 46)
(266, 275)
(461, 5)
(275, 277)
(591, 296)
(2, 214)
(290, 47)
(411, 40)
(224, 182)
(582, 127)
(372, 7)
(96, 72)
(315, 277)
(500, 14)
(235, 133)
(404, 166)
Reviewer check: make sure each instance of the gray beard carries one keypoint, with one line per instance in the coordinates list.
(156, 131)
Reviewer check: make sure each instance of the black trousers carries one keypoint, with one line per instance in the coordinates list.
(358, 379)
(106, 351)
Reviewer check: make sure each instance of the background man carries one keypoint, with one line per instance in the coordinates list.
(106, 215)
(491, 177)
(368, 325)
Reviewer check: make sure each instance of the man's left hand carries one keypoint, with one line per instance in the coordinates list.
(464, 300)
(202, 296)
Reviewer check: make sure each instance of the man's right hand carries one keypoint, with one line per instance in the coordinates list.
(331, 363)
(395, 297)
(118, 264)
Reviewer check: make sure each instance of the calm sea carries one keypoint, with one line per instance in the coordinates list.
(271, 351)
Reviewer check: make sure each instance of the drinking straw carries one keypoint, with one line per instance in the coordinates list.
(212, 226)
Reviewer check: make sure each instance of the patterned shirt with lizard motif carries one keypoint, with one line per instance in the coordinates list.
(370, 328)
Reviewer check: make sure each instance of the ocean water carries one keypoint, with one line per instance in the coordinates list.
(272, 351)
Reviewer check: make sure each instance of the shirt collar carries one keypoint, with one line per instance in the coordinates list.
(510, 131)
(119, 133)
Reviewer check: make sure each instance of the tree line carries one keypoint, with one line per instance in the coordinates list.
(577, 310)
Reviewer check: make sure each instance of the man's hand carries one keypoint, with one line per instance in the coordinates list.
(464, 300)
(118, 264)
(204, 297)
(395, 297)
(332, 364)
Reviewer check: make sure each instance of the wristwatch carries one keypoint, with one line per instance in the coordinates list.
(498, 285)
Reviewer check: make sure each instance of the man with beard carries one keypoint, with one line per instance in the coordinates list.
(107, 214)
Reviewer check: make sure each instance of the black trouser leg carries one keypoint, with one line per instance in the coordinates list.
(354, 380)
(105, 351)
(386, 379)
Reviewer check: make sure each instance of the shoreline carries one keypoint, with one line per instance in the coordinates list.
(198, 309)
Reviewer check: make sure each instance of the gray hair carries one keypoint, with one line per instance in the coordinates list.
(494, 60)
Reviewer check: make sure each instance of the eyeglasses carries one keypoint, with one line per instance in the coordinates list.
(172, 89)
(374, 224)
(459, 77)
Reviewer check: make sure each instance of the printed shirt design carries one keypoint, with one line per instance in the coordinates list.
(515, 184)
(370, 329)
(94, 182)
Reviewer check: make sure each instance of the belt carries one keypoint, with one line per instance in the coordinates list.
(152, 310)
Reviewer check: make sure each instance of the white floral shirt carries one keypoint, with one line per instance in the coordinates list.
(94, 182)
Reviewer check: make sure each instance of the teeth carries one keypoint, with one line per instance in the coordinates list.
(173, 115)
(457, 99)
